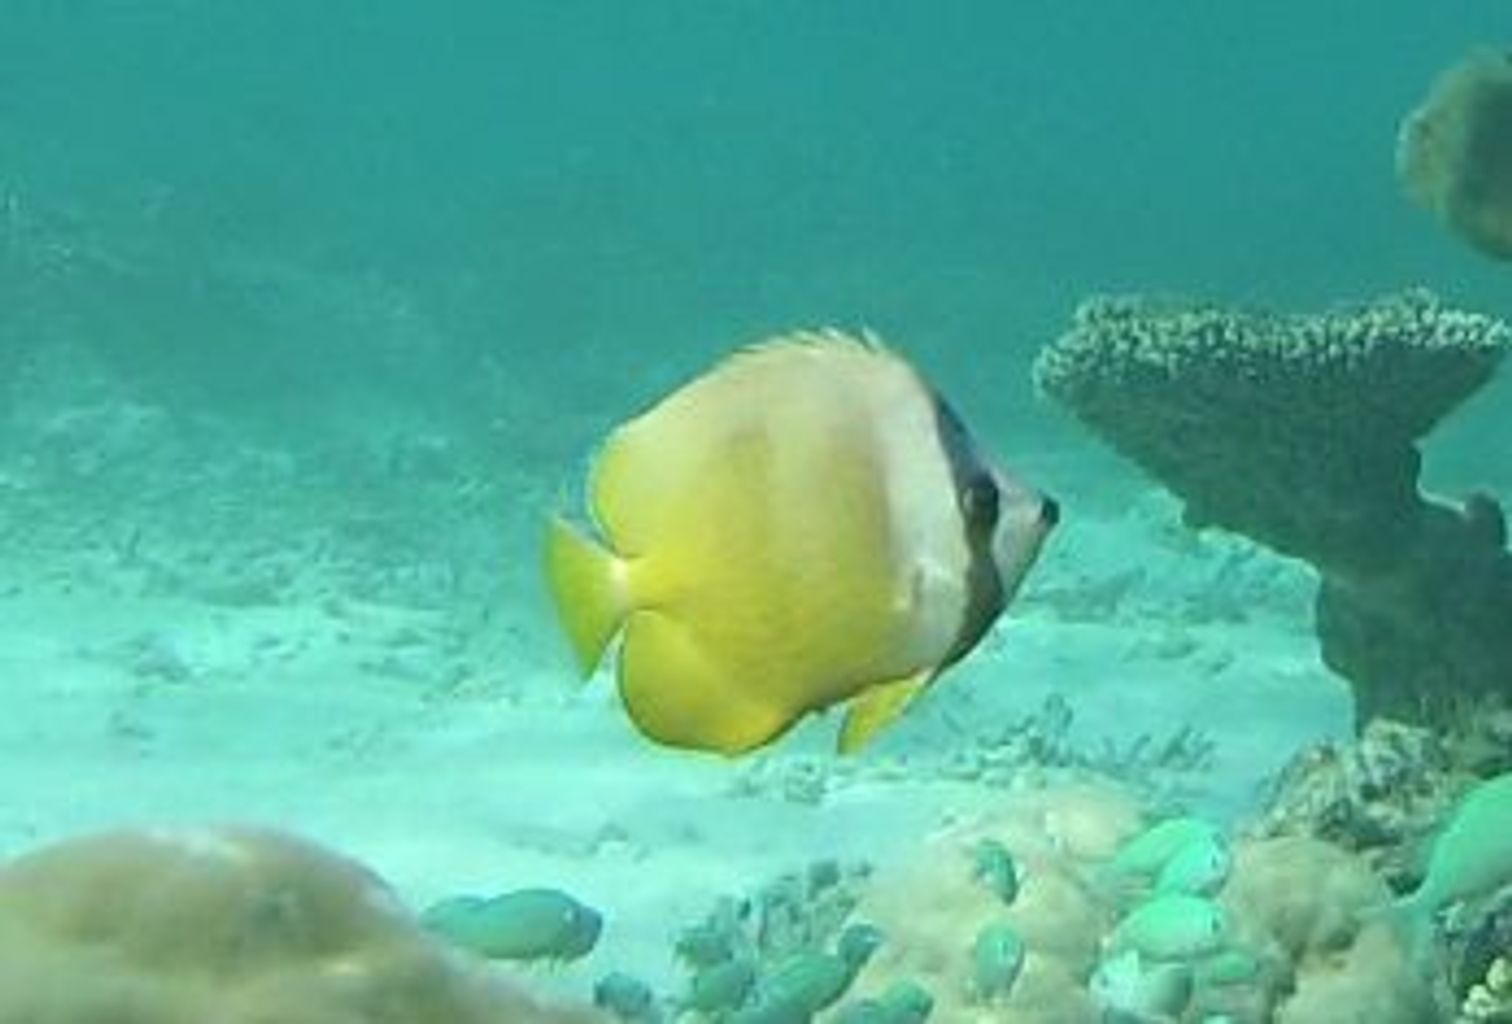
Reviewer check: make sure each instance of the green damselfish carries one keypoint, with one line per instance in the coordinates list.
(1472, 856)
(1199, 868)
(903, 1002)
(1172, 927)
(528, 924)
(807, 983)
(997, 959)
(1149, 851)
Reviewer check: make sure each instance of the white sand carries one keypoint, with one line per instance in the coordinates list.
(353, 723)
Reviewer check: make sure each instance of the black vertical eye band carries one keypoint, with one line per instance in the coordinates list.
(981, 505)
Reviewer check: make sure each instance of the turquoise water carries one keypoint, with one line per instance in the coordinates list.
(314, 307)
(640, 185)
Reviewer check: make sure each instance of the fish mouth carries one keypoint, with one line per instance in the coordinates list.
(1050, 513)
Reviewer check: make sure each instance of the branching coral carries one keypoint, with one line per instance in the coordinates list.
(1301, 432)
(235, 925)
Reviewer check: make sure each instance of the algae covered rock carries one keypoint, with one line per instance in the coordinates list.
(1378, 795)
(1454, 151)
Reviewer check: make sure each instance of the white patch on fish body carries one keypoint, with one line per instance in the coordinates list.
(928, 536)
(1130, 992)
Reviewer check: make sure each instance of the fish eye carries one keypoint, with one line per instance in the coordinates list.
(980, 500)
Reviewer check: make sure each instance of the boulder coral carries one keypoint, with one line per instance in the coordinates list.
(1305, 942)
(1301, 432)
(235, 925)
(1310, 912)
(931, 907)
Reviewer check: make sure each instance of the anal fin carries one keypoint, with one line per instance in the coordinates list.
(877, 707)
(678, 695)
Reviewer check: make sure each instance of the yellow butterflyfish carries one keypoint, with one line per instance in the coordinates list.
(808, 524)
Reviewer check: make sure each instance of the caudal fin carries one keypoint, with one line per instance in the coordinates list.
(587, 588)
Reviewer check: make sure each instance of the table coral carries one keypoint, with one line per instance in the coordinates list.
(1301, 433)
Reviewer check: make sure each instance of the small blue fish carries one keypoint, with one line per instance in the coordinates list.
(1173, 927)
(529, 924)
(629, 999)
(1227, 967)
(997, 960)
(809, 982)
(722, 987)
(863, 1011)
(903, 1002)
(706, 943)
(1149, 851)
(908, 1002)
(1200, 868)
(993, 865)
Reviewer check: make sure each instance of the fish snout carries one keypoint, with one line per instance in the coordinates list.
(1026, 519)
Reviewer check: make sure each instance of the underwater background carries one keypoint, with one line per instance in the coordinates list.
(311, 313)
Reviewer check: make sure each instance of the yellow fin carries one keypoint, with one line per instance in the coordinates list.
(678, 695)
(585, 585)
(876, 707)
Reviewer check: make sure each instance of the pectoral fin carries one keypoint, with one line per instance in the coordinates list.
(876, 707)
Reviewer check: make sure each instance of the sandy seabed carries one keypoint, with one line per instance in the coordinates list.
(451, 750)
